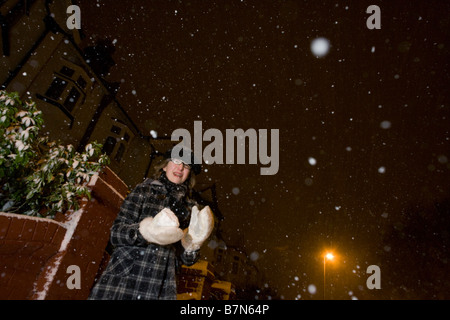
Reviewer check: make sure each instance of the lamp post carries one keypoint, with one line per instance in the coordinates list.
(326, 256)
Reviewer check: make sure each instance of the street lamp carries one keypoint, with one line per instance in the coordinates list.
(326, 256)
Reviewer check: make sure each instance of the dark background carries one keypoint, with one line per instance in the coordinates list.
(374, 113)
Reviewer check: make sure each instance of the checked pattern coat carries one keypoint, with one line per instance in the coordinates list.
(137, 269)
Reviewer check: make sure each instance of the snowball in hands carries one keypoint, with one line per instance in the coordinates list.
(163, 229)
(200, 227)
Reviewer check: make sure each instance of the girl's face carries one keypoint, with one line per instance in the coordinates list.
(177, 172)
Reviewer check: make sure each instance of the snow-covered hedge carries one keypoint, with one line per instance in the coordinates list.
(38, 177)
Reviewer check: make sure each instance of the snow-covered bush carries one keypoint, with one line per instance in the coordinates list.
(39, 177)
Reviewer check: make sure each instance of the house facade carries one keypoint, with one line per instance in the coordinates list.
(42, 61)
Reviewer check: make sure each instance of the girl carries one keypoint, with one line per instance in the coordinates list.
(157, 227)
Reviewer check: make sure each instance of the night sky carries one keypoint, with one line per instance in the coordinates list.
(364, 130)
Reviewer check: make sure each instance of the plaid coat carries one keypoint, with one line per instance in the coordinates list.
(137, 269)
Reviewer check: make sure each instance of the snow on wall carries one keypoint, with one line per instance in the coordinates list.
(70, 225)
(22, 216)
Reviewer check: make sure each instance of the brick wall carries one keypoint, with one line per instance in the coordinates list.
(35, 253)
(26, 244)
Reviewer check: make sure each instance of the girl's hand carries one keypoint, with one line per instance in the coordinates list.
(163, 229)
(200, 228)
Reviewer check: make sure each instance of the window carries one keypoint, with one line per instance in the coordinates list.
(116, 144)
(81, 82)
(67, 71)
(108, 146)
(116, 129)
(120, 153)
(72, 99)
(64, 92)
(56, 88)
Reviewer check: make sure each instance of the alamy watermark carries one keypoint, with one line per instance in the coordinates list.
(74, 20)
(214, 152)
(74, 280)
(374, 21)
(373, 281)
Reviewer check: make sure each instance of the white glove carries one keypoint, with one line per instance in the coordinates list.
(200, 228)
(163, 229)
